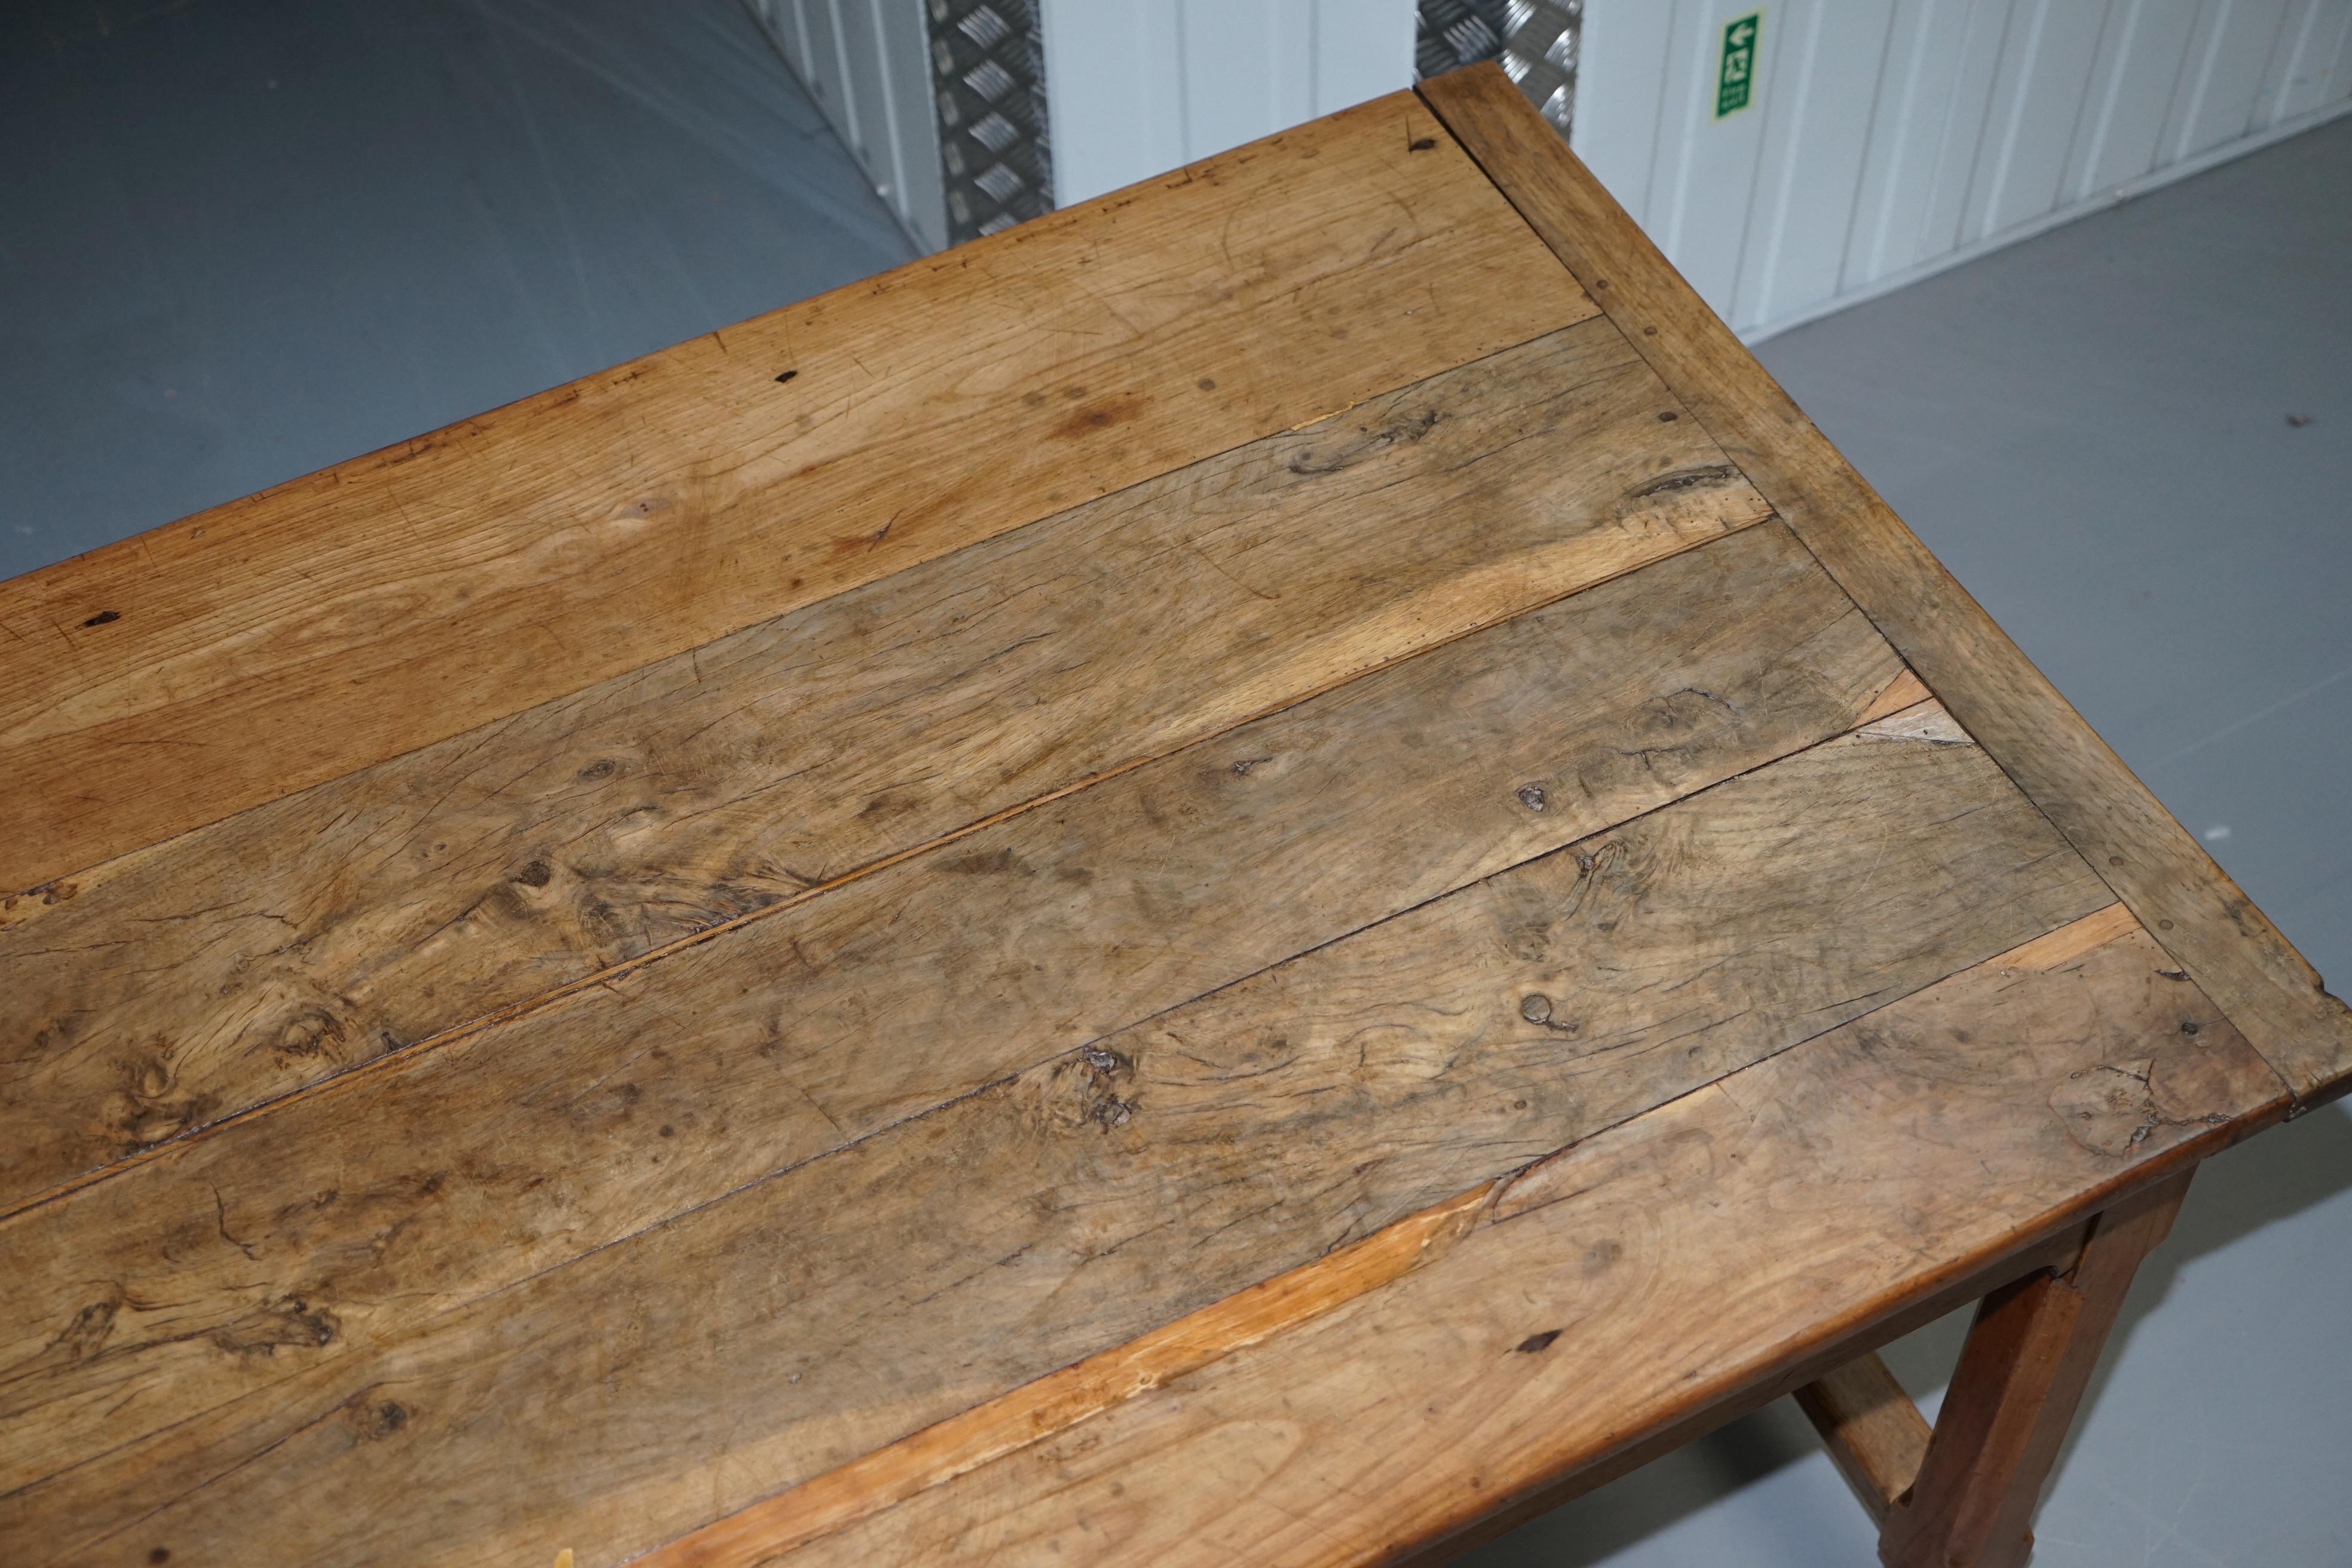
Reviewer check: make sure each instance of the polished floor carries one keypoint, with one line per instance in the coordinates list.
(241, 239)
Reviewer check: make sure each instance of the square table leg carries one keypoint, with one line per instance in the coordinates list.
(2028, 1358)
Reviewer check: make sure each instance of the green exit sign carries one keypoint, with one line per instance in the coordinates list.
(1736, 78)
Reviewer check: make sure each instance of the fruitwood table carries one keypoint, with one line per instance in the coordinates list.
(1262, 872)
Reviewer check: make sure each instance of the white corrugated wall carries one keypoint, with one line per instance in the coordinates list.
(1890, 136)
(867, 62)
(1884, 138)
(1139, 86)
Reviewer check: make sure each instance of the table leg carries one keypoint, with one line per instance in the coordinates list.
(2029, 1356)
(1874, 1434)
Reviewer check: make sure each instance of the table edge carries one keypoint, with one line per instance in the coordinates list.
(2160, 871)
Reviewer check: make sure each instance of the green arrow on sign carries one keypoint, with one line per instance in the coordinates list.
(1738, 77)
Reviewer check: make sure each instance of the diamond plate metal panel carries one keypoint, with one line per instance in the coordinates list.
(988, 75)
(1535, 40)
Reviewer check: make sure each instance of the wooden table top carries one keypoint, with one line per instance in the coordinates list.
(1246, 874)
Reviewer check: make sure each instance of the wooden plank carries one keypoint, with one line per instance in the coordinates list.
(1022, 1227)
(1958, 1291)
(2224, 944)
(193, 979)
(840, 1498)
(1871, 1430)
(2028, 1359)
(763, 1533)
(1907, 691)
(1623, 1288)
(268, 644)
(1027, 939)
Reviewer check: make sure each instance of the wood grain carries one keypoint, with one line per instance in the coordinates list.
(1059, 1399)
(264, 646)
(1908, 690)
(1021, 1228)
(1705, 888)
(191, 980)
(2028, 1359)
(137, 1300)
(1626, 1286)
(1873, 1433)
(2226, 945)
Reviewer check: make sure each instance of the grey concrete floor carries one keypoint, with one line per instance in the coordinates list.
(2092, 430)
(243, 239)
(240, 240)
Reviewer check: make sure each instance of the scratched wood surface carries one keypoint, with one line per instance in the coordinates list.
(1612, 1290)
(1255, 905)
(402, 597)
(403, 900)
(1042, 1217)
(2188, 902)
(1029, 939)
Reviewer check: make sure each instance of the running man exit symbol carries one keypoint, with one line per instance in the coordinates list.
(1739, 73)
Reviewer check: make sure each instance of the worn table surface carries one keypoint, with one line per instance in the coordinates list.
(1258, 871)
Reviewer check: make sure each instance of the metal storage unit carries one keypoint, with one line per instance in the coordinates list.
(1870, 141)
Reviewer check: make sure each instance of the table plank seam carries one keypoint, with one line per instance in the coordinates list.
(354, 1079)
(832, 1500)
(1059, 1399)
(421, 1329)
(1461, 100)
(579, 532)
(1177, 980)
(603, 977)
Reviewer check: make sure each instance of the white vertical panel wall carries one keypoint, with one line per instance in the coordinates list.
(1883, 138)
(1134, 88)
(867, 63)
(1886, 138)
